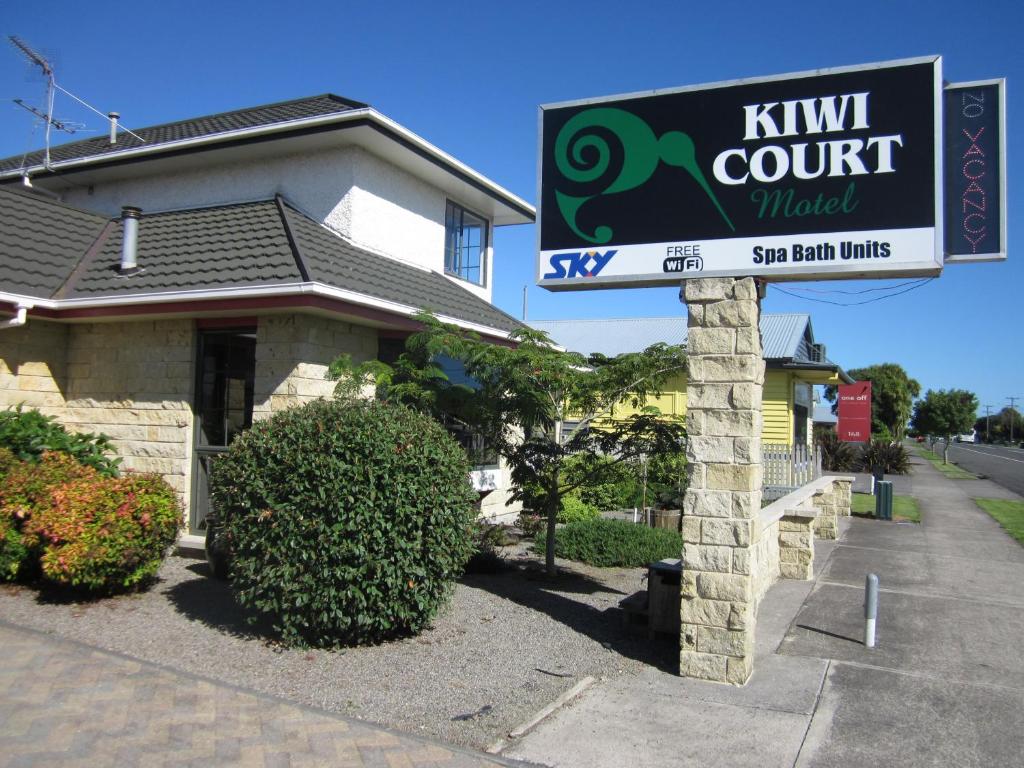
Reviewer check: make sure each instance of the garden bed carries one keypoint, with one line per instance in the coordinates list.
(506, 645)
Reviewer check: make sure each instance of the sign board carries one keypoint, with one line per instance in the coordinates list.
(816, 175)
(854, 412)
(975, 170)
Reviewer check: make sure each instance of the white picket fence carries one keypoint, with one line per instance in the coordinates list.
(787, 467)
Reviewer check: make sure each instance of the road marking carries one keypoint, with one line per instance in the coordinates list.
(993, 455)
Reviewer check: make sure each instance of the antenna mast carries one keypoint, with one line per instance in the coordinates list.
(43, 64)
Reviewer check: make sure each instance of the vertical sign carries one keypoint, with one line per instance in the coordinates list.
(855, 412)
(975, 171)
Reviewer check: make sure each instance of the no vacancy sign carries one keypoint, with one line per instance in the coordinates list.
(817, 175)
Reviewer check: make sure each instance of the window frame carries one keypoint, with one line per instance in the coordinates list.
(462, 211)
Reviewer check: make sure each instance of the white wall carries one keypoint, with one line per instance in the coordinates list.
(367, 200)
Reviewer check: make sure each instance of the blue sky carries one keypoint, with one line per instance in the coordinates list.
(468, 76)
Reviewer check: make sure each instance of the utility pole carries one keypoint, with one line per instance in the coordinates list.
(988, 417)
(1013, 414)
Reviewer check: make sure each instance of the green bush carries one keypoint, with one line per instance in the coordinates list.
(530, 524)
(26, 490)
(617, 485)
(573, 509)
(106, 534)
(836, 456)
(892, 458)
(608, 543)
(29, 434)
(347, 522)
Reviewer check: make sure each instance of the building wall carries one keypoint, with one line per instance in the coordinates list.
(776, 405)
(33, 366)
(133, 381)
(293, 353)
(362, 197)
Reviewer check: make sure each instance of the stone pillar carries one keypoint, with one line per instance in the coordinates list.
(723, 420)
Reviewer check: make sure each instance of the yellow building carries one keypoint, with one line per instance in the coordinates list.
(794, 362)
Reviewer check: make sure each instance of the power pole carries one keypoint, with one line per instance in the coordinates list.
(1013, 413)
(988, 416)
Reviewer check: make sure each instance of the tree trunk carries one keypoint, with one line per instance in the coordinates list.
(553, 503)
(945, 451)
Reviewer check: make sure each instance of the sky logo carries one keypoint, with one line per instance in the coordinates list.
(578, 264)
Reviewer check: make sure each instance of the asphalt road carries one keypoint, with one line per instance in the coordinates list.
(1000, 464)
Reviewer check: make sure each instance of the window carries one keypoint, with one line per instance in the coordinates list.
(465, 244)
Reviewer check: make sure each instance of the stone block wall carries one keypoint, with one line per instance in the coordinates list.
(133, 381)
(33, 366)
(725, 379)
(293, 353)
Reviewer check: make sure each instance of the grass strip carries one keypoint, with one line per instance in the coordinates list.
(903, 507)
(952, 471)
(1009, 514)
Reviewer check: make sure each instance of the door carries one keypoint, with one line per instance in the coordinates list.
(225, 376)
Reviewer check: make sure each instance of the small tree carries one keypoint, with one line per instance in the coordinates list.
(892, 396)
(945, 412)
(522, 395)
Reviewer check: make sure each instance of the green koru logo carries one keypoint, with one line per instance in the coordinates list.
(642, 152)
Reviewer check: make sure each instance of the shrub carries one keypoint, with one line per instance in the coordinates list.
(892, 458)
(106, 534)
(573, 509)
(529, 523)
(616, 487)
(29, 434)
(486, 540)
(607, 543)
(836, 456)
(347, 522)
(666, 481)
(26, 490)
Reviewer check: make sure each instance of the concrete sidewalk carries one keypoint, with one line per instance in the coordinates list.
(945, 686)
(67, 704)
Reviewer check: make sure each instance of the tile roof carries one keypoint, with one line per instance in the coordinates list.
(75, 255)
(41, 241)
(251, 117)
(783, 336)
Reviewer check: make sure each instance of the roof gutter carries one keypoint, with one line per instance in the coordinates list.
(353, 115)
(20, 316)
(247, 292)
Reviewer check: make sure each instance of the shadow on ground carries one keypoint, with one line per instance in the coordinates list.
(210, 602)
(531, 588)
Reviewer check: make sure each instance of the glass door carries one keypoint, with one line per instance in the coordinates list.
(225, 377)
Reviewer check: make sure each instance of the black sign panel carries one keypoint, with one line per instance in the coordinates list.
(975, 148)
(716, 172)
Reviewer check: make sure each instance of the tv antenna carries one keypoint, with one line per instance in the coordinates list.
(52, 87)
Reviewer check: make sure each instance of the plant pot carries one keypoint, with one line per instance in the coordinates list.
(672, 519)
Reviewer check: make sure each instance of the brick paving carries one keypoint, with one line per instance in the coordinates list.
(64, 703)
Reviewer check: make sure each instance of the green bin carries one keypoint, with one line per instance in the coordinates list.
(883, 500)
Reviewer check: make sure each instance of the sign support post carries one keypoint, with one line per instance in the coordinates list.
(725, 368)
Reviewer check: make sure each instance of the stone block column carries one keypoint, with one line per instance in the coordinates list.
(723, 420)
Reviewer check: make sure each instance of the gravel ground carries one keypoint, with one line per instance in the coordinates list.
(507, 644)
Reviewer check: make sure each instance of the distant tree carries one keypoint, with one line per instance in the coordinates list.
(946, 413)
(520, 395)
(892, 398)
(997, 427)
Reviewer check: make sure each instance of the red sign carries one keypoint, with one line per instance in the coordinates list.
(855, 412)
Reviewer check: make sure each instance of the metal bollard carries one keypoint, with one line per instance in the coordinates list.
(870, 609)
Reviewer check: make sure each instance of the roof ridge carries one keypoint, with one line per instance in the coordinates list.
(300, 262)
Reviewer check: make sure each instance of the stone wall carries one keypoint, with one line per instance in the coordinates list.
(293, 353)
(726, 375)
(133, 381)
(33, 366)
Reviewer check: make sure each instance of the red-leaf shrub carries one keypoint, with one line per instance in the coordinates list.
(104, 534)
(25, 489)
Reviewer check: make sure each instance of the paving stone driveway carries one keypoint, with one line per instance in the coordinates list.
(64, 703)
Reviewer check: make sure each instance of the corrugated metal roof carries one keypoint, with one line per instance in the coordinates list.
(209, 125)
(781, 334)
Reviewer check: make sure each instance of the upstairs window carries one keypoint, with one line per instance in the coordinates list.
(465, 244)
